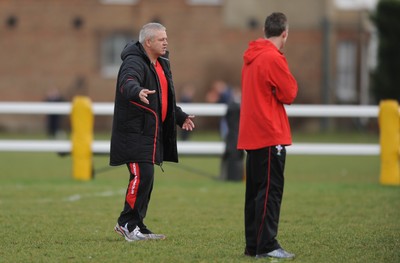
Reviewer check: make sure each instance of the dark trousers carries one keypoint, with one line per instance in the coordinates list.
(138, 194)
(264, 190)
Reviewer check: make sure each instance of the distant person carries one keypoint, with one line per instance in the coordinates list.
(264, 131)
(232, 159)
(53, 124)
(220, 92)
(144, 125)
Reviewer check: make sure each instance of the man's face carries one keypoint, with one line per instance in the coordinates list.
(158, 44)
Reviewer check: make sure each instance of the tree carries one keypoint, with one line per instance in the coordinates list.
(386, 78)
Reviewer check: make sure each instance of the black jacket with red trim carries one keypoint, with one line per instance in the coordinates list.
(138, 134)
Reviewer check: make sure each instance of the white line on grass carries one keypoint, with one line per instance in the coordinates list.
(77, 197)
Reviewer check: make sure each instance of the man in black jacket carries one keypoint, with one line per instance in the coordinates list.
(144, 125)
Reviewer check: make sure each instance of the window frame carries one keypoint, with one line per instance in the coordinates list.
(111, 46)
(346, 71)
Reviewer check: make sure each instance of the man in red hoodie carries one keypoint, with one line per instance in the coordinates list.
(264, 131)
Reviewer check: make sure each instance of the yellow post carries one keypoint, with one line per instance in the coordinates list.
(389, 123)
(82, 136)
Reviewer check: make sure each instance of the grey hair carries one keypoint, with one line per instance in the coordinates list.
(147, 31)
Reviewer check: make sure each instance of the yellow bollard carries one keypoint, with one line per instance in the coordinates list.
(389, 123)
(82, 136)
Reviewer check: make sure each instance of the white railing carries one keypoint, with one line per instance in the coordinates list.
(198, 109)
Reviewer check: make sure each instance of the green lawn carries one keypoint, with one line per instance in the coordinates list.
(334, 210)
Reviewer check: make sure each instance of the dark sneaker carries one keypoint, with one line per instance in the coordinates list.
(277, 254)
(135, 235)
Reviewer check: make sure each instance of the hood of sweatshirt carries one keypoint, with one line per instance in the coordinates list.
(256, 48)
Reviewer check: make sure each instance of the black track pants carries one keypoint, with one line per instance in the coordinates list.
(138, 194)
(264, 190)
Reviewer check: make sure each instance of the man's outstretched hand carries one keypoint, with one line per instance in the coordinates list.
(188, 125)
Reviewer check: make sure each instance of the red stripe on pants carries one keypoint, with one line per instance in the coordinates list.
(131, 194)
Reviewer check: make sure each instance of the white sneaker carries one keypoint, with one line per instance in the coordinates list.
(135, 235)
(277, 254)
(150, 235)
(154, 236)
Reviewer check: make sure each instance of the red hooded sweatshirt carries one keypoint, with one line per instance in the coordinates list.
(267, 85)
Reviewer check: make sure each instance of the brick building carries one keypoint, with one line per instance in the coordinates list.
(63, 44)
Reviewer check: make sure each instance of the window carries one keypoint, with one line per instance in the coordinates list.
(119, 2)
(111, 48)
(356, 4)
(204, 2)
(346, 72)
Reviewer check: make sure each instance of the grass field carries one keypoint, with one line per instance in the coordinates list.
(334, 210)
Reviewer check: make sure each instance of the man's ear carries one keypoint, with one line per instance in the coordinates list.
(147, 42)
(284, 34)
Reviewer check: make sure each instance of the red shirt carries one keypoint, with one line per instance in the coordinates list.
(164, 90)
(267, 85)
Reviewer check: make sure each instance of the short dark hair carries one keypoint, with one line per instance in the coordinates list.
(275, 24)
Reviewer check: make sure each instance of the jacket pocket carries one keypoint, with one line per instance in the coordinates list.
(135, 124)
